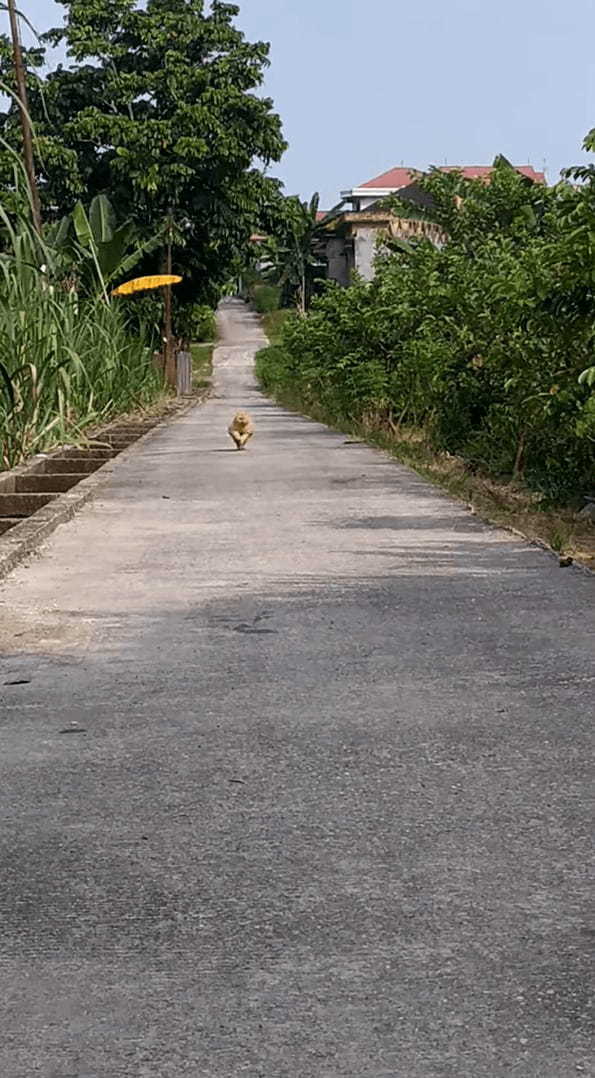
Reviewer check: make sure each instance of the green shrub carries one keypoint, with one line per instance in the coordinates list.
(273, 323)
(480, 343)
(195, 322)
(273, 369)
(205, 324)
(266, 298)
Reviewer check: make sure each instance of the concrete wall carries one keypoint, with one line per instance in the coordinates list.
(339, 268)
(364, 202)
(365, 250)
(346, 255)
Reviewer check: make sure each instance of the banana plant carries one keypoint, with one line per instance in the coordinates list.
(95, 247)
(291, 259)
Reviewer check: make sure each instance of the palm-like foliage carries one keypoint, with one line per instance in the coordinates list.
(290, 258)
(94, 249)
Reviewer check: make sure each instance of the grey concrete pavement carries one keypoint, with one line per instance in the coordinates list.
(293, 772)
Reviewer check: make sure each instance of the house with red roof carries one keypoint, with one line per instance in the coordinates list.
(388, 183)
(362, 197)
(353, 227)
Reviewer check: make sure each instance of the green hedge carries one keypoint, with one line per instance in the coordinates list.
(266, 298)
(195, 322)
(485, 344)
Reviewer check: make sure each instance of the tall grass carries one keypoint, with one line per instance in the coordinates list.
(67, 360)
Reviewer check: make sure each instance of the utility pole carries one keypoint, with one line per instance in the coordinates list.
(19, 70)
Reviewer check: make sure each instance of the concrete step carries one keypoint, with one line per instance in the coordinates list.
(73, 465)
(47, 484)
(120, 439)
(23, 505)
(6, 523)
(111, 443)
(121, 443)
(129, 431)
(95, 452)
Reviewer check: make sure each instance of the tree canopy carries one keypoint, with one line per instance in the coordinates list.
(158, 107)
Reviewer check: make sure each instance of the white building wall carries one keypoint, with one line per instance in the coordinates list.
(365, 251)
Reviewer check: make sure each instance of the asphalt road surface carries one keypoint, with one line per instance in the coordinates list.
(294, 781)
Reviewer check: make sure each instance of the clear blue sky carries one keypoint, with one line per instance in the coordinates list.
(365, 86)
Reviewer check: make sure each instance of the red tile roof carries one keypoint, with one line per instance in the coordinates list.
(401, 177)
(480, 172)
(395, 177)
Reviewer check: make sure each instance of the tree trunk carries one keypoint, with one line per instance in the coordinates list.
(396, 427)
(301, 296)
(519, 460)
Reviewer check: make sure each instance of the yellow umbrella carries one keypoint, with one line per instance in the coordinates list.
(141, 284)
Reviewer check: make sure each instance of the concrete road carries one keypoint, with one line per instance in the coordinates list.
(294, 782)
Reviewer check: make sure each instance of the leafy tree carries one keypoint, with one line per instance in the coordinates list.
(470, 210)
(158, 108)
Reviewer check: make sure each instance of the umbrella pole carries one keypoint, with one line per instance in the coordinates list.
(170, 359)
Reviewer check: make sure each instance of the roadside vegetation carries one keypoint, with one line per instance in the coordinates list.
(287, 270)
(273, 323)
(68, 357)
(144, 148)
(202, 366)
(473, 362)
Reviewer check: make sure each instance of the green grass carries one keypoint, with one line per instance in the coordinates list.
(501, 503)
(202, 365)
(273, 324)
